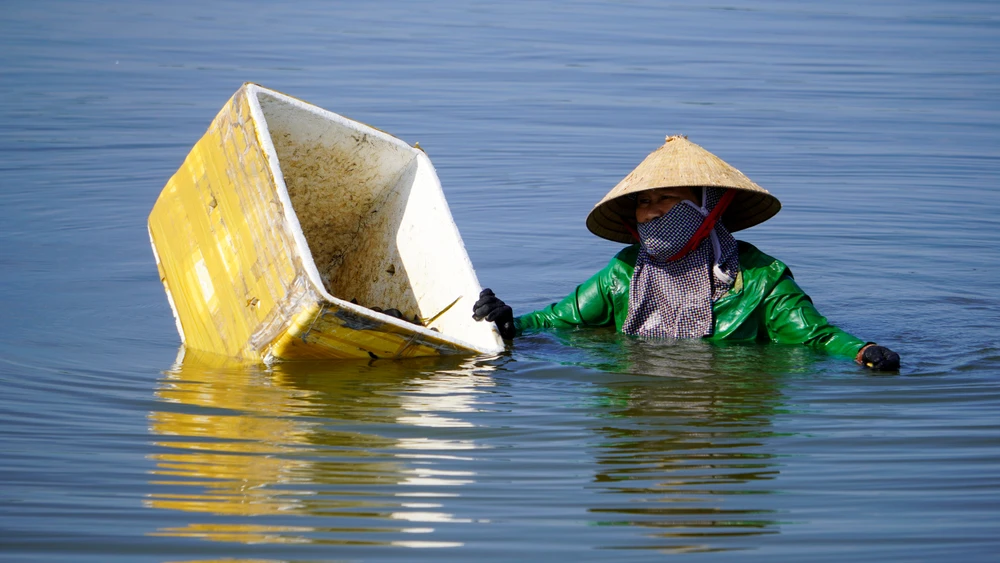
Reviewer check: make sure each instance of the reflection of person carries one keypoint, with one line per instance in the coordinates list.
(684, 275)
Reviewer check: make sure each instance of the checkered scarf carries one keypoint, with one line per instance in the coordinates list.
(674, 299)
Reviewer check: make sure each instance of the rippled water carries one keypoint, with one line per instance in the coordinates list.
(876, 123)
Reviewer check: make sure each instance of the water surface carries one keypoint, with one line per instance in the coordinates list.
(876, 124)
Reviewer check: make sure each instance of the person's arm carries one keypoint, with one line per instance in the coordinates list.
(590, 304)
(791, 318)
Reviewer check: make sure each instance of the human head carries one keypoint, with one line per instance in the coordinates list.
(679, 163)
(654, 203)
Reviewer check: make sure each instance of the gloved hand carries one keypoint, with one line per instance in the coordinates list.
(492, 309)
(879, 358)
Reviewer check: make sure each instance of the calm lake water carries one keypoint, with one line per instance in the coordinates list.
(876, 123)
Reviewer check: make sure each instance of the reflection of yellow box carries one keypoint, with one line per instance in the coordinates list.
(288, 224)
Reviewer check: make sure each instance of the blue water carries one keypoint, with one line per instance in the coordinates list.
(877, 124)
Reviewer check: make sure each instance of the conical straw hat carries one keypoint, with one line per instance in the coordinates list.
(681, 163)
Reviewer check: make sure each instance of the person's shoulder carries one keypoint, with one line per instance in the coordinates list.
(626, 256)
(751, 258)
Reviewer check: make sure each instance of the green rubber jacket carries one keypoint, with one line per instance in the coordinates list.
(765, 304)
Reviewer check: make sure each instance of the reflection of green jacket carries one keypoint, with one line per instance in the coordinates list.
(765, 303)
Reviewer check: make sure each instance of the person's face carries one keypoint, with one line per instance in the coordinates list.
(655, 203)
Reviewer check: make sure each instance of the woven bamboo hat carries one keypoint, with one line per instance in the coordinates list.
(681, 163)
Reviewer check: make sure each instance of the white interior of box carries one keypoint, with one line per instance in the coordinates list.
(373, 217)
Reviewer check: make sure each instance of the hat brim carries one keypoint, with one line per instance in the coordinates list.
(679, 163)
(608, 219)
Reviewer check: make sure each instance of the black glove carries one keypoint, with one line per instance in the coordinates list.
(492, 309)
(880, 358)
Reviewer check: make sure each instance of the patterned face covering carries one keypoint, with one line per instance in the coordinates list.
(666, 235)
(674, 299)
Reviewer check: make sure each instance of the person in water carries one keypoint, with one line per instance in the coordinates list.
(683, 274)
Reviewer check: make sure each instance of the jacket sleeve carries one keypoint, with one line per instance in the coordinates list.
(590, 304)
(791, 318)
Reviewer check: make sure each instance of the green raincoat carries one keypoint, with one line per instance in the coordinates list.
(765, 304)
